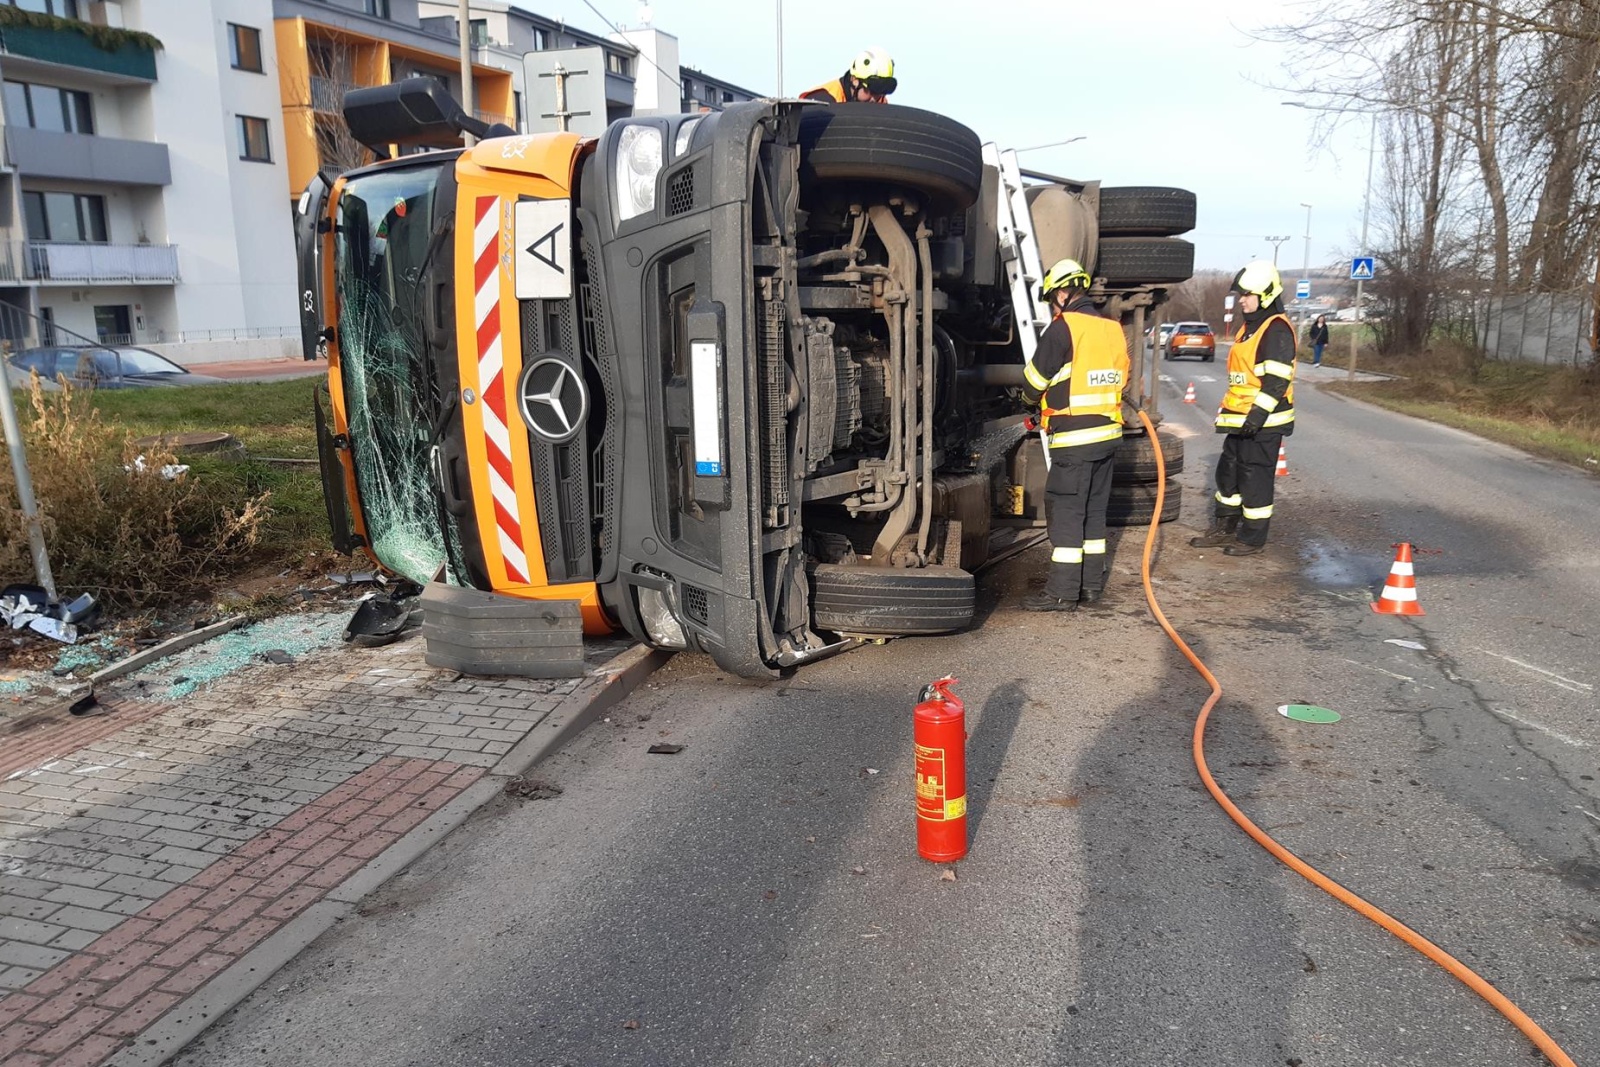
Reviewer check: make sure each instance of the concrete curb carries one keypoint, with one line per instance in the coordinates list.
(604, 690)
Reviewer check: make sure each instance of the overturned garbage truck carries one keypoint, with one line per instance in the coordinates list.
(745, 382)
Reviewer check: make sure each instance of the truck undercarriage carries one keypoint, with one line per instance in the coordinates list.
(797, 359)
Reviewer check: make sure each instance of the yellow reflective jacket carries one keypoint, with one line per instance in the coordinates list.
(1246, 369)
(1080, 378)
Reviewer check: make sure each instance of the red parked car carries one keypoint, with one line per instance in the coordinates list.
(1192, 339)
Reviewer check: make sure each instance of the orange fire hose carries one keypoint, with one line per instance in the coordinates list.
(1462, 973)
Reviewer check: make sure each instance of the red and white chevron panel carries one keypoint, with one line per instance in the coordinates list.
(493, 386)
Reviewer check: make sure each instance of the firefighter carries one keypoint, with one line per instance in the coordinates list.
(870, 80)
(1257, 412)
(1077, 374)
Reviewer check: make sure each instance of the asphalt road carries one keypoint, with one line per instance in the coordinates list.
(756, 898)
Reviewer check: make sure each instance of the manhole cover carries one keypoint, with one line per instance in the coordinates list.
(193, 443)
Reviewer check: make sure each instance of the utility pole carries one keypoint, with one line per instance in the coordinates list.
(1366, 213)
(464, 27)
(1305, 271)
(19, 468)
(1276, 241)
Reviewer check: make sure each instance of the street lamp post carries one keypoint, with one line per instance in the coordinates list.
(1276, 241)
(1053, 144)
(1305, 270)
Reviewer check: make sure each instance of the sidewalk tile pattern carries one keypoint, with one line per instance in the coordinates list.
(145, 850)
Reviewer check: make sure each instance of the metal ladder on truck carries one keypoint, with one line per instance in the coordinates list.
(1019, 256)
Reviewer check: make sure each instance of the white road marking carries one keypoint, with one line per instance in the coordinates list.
(1570, 685)
(1415, 646)
(1380, 670)
(1204, 378)
(1558, 735)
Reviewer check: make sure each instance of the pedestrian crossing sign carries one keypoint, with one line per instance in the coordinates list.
(1361, 269)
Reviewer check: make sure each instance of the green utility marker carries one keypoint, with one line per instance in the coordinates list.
(1307, 713)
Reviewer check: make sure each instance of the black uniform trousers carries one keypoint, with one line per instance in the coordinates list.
(1246, 476)
(1076, 495)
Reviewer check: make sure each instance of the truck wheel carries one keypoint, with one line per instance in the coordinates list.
(892, 146)
(1133, 505)
(884, 602)
(1145, 211)
(1136, 460)
(1145, 260)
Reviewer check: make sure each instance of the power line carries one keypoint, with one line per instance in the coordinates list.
(618, 31)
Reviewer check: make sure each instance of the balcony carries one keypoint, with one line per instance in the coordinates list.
(86, 157)
(125, 56)
(60, 261)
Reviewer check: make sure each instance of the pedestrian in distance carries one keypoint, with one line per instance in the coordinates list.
(1077, 375)
(1319, 339)
(869, 80)
(1257, 412)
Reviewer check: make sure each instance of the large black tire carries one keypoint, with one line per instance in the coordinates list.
(1145, 211)
(887, 602)
(896, 145)
(1145, 260)
(1136, 460)
(1133, 505)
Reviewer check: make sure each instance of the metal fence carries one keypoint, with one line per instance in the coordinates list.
(1547, 328)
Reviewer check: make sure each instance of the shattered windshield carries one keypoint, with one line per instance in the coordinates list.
(384, 232)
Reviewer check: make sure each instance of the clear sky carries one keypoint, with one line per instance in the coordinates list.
(1166, 92)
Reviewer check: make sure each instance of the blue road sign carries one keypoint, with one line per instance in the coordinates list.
(1361, 269)
(1302, 289)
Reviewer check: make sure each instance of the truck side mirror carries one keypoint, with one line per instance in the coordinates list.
(412, 111)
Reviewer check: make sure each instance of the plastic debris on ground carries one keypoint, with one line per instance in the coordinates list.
(1307, 713)
(170, 471)
(28, 607)
(180, 674)
(1417, 646)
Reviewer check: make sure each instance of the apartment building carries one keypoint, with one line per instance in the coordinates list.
(153, 148)
(139, 193)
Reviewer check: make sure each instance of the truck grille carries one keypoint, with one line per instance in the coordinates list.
(560, 471)
(596, 341)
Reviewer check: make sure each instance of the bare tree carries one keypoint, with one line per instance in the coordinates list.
(333, 72)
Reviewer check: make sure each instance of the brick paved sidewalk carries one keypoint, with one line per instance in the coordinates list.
(147, 851)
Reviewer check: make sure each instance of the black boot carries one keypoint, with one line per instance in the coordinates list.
(1090, 596)
(1219, 533)
(1239, 548)
(1044, 600)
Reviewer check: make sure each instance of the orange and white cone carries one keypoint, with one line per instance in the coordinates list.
(1283, 460)
(1400, 591)
(1188, 398)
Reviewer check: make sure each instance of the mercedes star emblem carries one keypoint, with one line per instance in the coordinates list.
(553, 400)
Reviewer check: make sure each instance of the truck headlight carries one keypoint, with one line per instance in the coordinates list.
(659, 621)
(685, 134)
(638, 163)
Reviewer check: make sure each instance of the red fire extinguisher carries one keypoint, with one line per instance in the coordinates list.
(941, 741)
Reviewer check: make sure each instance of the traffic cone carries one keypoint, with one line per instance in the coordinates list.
(1400, 591)
(1188, 398)
(1283, 460)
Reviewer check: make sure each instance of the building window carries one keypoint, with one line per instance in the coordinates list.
(254, 142)
(75, 217)
(66, 9)
(246, 47)
(44, 107)
(541, 40)
(376, 8)
(619, 64)
(479, 29)
(516, 106)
